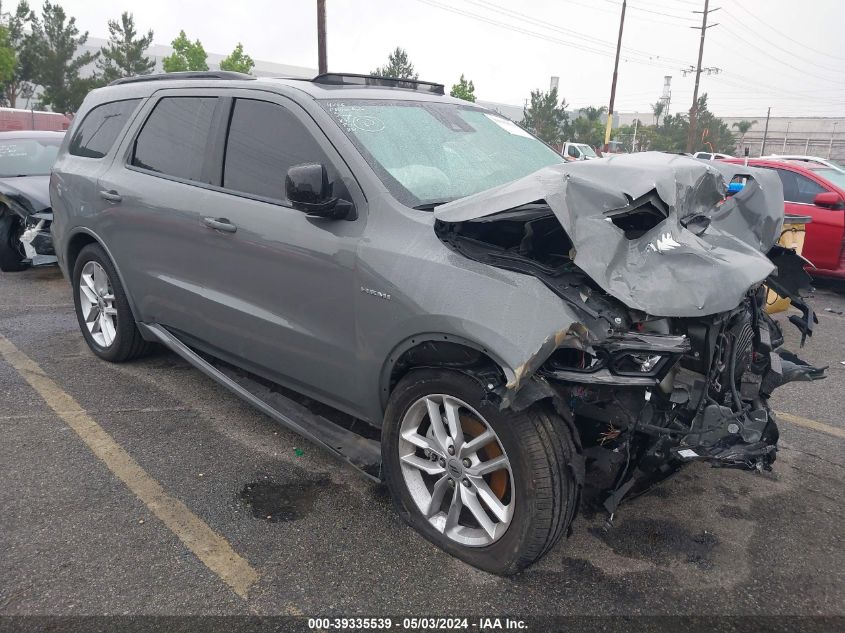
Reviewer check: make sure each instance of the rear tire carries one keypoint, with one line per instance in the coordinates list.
(544, 465)
(11, 249)
(109, 328)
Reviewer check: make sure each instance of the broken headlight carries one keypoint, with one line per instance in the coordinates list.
(638, 363)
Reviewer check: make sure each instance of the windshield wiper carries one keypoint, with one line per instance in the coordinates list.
(430, 206)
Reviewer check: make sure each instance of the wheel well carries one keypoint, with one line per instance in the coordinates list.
(443, 353)
(76, 244)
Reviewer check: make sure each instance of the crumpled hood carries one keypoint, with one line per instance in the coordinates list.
(670, 270)
(28, 193)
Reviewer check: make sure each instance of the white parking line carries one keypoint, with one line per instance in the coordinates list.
(211, 548)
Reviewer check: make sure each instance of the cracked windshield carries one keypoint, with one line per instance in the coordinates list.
(431, 153)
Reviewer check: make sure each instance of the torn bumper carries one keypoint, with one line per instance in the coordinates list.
(37, 240)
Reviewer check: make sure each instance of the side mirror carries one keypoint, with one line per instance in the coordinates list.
(829, 200)
(308, 189)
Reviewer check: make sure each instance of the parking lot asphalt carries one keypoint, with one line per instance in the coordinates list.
(84, 530)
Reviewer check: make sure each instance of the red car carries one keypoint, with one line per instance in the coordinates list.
(819, 192)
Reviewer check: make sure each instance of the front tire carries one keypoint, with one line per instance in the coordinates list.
(494, 488)
(102, 308)
(11, 249)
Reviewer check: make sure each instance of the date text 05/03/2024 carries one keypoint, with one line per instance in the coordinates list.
(491, 624)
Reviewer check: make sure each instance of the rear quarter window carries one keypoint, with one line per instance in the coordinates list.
(174, 138)
(100, 128)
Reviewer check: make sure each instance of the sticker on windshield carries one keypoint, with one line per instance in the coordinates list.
(507, 125)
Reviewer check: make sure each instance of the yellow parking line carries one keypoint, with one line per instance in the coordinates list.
(212, 549)
(807, 423)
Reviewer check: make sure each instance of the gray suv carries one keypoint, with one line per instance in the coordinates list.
(428, 291)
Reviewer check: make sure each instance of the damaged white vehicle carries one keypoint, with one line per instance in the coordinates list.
(488, 330)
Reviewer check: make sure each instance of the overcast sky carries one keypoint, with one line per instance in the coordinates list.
(778, 53)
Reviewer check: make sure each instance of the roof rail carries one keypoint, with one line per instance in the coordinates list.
(351, 79)
(190, 74)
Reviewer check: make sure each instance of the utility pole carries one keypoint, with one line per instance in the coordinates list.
(785, 137)
(765, 132)
(634, 140)
(694, 109)
(321, 36)
(615, 75)
(829, 147)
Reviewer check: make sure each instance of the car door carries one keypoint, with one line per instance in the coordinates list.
(157, 187)
(279, 285)
(823, 241)
(90, 151)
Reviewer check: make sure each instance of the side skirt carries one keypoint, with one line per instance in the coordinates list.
(362, 453)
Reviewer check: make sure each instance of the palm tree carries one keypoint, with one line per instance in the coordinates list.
(657, 110)
(592, 113)
(743, 127)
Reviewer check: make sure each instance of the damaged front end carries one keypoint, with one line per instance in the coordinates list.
(29, 218)
(668, 356)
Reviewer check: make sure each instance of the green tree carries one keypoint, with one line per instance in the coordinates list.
(545, 117)
(238, 61)
(712, 132)
(593, 114)
(625, 134)
(463, 90)
(123, 56)
(55, 40)
(186, 55)
(18, 25)
(671, 134)
(743, 127)
(587, 127)
(657, 110)
(8, 59)
(398, 66)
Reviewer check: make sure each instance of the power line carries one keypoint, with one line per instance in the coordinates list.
(580, 46)
(770, 56)
(661, 13)
(555, 27)
(594, 7)
(803, 45)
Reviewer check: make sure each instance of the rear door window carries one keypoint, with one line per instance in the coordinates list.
(100, 128)
(175, 137)
(265, 139)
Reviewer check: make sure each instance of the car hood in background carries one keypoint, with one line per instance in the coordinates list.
(30, 193)
(703, 252)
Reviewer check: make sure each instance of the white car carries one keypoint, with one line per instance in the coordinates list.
(578, 151)
(832, 164)
(710, 155)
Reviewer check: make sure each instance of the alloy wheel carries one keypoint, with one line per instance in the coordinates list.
(96, 299)
(456, 470)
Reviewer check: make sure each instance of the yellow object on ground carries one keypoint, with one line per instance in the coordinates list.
(792, 236)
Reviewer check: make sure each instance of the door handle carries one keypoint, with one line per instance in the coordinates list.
(111, 196)
(220, 224)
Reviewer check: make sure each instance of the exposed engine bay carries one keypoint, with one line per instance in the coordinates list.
(670, 356)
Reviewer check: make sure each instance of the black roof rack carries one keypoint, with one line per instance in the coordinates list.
(190, 74)
(351, 79)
